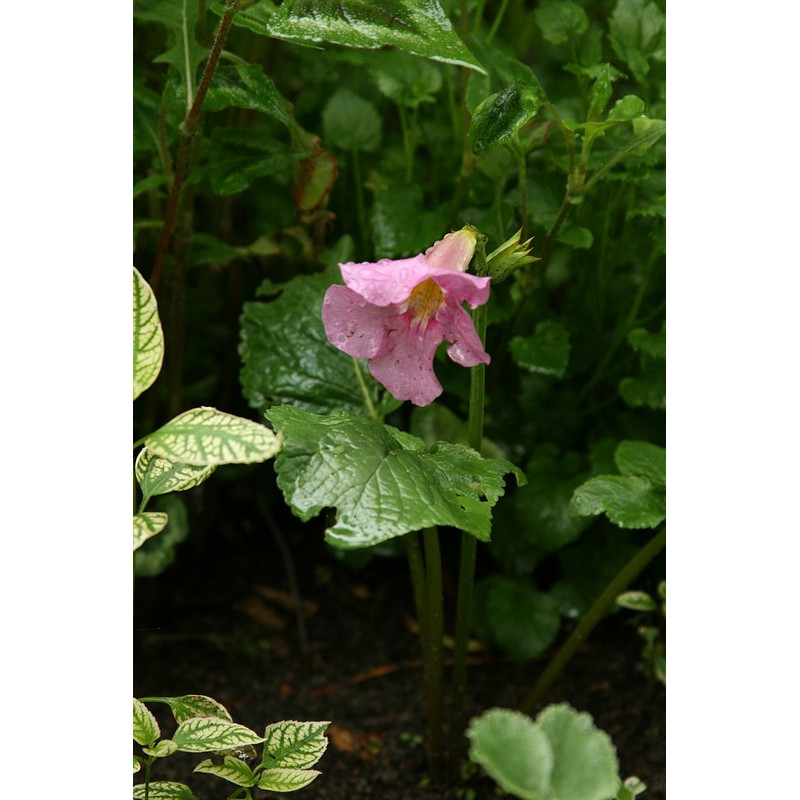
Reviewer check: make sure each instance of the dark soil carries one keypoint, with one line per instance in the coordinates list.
(221, 625)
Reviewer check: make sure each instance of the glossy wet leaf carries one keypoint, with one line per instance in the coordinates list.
(204, 734)
(246, 86)
(287, 358)
(418, 26)
(146, 525)
(642, 458)
(383, 482)
(546, 352)
(514, 751)
(145, 727)
(158, 475)
(231, 769)
(294, 745)
(148, 338)
(585, 763)
(184, 53)
(498, 118)
(281, 779)
(349, 122)
(629, 501)
(205, 436)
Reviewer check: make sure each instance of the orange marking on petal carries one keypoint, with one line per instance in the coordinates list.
(424, 302)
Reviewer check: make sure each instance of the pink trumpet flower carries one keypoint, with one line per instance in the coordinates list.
(396, 313)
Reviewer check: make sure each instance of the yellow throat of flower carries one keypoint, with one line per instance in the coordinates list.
(425, 300)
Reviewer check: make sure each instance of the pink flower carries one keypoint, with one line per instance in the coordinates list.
(396, 313)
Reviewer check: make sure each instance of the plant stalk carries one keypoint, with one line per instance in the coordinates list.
(627, 574)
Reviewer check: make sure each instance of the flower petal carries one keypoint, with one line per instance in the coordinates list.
(461, 286)
(386, 282)
(405, 365)
(353, 325)
(458, 328)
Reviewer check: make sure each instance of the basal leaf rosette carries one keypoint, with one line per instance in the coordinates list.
(382, 482)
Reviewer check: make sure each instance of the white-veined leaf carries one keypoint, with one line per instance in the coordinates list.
(193, 705)
(205, 436)
(145, 727)
(294, 744)
(164, 790)
(636, 601)
(137, 764)
(164, 748)
(148, 339)
(147, 524)
(231, 769)
(279, 779)
(206, 734)
(158, 475)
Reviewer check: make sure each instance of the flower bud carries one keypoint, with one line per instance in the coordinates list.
(454, 251)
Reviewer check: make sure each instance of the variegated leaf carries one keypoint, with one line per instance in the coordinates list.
(206, 734)
(295, 745)
(193, 705)
(164, 748)
(279, 779)
(164, 790)
(145, 727)
(148, 339)
(205, 436)
(147, 524)
(231, 769)
(158, 475)
(137, 764)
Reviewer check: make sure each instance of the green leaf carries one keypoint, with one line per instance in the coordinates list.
(514, 751)
(498, 118)
(636, 601)
(585, 763)
(401, 224)
(523, 621)
(437, 423)
(651, 344)
(147, 524)
(287, 358)
(204, 734)
(648, 389)
(560, 19)
(185, 54)
(145, 727)
(637, 33)
(193, 705)
(254, 17)
(546, 352)
(628, 108)
(231, 769)
(164, 748)
(421, 28)
(642, 458)
(406, 80)
(163, 790)
(349, 122)
(294, 745)
(628, 500)
(205, 436)
(158, 475)
(383, 482)
(137, 764)
(148, 338)
(156, 554)
(246, 86)
(280, 779)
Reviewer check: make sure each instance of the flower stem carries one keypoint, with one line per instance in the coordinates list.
(469, 544)
(373, 412)
(627, 574)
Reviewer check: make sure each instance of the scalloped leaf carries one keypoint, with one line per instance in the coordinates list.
(383, 482)
(629, 501)
(292, 744)
(417, 26)
(158, 475)
(145, 727)
(205, 436)
(163, 790)
(644, 459)
(146, 525)
(279, 779)
(148, 338)
(585, 765)
(207, 734)
(231, 769)
(514, 751)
